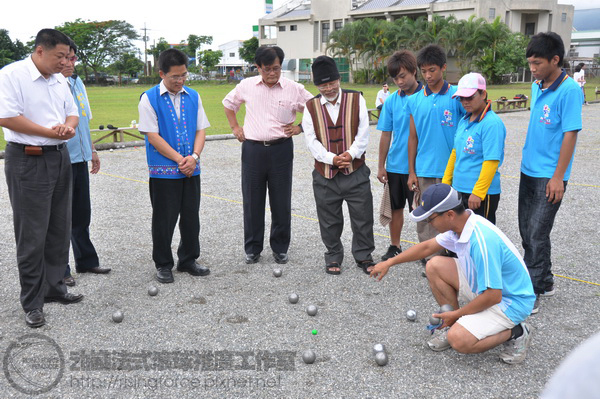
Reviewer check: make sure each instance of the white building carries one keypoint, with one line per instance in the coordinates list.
(585, 39)
(301, 27)
(231, 58)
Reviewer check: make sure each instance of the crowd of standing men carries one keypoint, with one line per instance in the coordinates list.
(440, 151)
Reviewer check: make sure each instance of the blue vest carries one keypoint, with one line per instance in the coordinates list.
(178, 133)
(80, 146)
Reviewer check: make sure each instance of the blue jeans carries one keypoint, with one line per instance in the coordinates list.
(536, 218)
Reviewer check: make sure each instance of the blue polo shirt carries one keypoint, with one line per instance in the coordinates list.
(395, 118)
(476, 142)
(436, 117)
(554, 111)
(489, 259)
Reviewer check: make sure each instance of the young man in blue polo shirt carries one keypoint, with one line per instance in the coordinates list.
(394, 122)
(434, 118)
(489, 278)
(478, 149)
(547, 155)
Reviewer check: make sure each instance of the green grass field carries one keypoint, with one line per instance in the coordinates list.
(118, 105)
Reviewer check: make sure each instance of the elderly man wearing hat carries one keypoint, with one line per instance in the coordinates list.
(478, 149)
(336, 128)
(489, 278)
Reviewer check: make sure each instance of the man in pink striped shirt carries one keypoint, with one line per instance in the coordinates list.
(267, 151)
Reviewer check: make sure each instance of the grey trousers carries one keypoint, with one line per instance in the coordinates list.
(426, 231)
(40, 194)
(355, 189)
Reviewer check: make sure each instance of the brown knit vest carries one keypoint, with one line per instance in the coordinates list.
(336, 138)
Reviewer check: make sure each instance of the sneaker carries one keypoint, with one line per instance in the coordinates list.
(391, 252)
(549, 292)
(515, 350)
(536, 305)
(440, 341)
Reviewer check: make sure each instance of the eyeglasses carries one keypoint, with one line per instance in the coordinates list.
(276, 69)
(431, 219)
(327, 86)
(73, 59)
(178, 78)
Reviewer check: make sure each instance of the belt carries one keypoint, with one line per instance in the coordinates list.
(56, 147)
(270, 142)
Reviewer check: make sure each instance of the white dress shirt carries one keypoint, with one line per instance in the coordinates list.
(149, 119)
(46, 102)
(361, 140)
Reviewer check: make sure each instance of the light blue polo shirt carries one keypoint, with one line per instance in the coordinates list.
(395, 118)
(476, 142)
(554, 111)
(490, 260)
(436, 117)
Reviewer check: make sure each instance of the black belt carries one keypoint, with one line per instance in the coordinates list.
(270, 142)
(56, 147)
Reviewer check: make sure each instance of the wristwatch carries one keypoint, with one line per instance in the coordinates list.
(196, 157)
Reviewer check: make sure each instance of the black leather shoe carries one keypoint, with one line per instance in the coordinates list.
(195, 270)
(35, 318)
(252, 258)
(95, 270)
(66, 299)
(280, 258)
(164, 275)
(69, 281)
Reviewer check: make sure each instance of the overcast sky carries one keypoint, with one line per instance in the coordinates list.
(225, 20)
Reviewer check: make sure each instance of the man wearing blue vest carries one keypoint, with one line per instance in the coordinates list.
(547, 155)
(173, 120)
(81, 151)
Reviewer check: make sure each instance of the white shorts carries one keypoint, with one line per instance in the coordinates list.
(485, 323)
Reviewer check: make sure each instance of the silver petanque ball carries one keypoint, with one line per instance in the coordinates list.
(378, 348)
(153, 291)
(309, 357)
(446, 308)
(411, 315)
(293, 298)
(117, 317)
(434, 321)
(311, 310)
(277, 272)
(381, 358)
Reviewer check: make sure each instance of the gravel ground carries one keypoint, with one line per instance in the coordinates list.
(234, 334)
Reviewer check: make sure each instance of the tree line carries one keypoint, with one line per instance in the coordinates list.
(108, 46)
(477, 45)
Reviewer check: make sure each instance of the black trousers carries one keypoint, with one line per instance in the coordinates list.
(267, 167)
(39, 187)
(174, 199)
(83, 250)
(488, 206)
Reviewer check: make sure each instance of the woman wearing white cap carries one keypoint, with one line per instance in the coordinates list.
(478, 149)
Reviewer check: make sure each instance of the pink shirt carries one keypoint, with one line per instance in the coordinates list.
(268, 109)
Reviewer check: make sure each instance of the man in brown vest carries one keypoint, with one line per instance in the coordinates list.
(336, 128)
